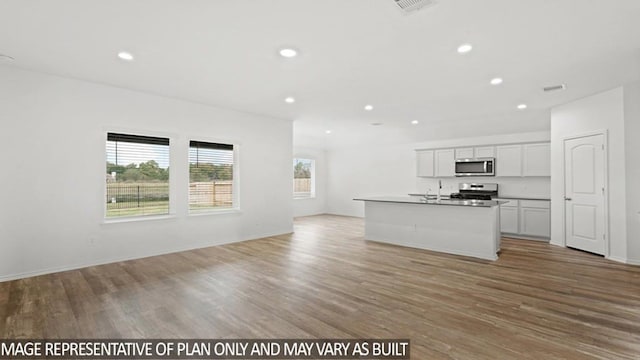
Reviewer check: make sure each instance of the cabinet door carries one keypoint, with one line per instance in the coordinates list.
(509, 160)
(537, 159)
(535, 222)
(485, 152)
(424, 163)
(509, 219)
(445, 162)
(464, 153)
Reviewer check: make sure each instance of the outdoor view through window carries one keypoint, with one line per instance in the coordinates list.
(210, 175)
(137, 175)
(303, 172)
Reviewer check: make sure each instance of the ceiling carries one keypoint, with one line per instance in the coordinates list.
(352, 53)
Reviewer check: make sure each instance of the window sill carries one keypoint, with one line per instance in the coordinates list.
(304, 198)
(215, 212)
(138, 219)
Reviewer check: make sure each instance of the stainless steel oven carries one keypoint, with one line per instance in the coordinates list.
(475, 167)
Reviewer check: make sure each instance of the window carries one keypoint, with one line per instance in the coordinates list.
(303, 178)
(210, 176)
(137, 177)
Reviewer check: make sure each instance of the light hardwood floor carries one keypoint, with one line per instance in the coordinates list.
(325, 281)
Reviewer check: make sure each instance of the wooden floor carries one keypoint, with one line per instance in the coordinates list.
(325, 281)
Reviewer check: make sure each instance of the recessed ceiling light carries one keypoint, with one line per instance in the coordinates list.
(328, 132)
(464, 48)
(496, 81)
(289, 100)
(288, 52)
(522, 106)
(415, 122)
(368, 107)
(376, 124)
(127, 56)
(6, 58)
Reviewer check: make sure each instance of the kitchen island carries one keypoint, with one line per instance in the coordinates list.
(461, 227)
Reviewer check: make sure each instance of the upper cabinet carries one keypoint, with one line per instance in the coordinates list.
(464, 153)
(509, 160)
(531, 159)
(425, 164)
(485, 152)
(475, 153)
(536, 159)
(445, 162)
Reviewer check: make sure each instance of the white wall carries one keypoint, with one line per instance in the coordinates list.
(391, 170)
(603, 111)
(318, 204)
(52, 184)
(632, 145)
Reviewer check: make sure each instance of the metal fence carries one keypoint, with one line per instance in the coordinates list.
(130, 199)
(126, 196)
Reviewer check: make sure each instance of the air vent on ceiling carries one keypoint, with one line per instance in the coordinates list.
(554, 88)
(413, 5)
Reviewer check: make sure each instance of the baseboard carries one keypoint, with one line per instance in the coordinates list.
(28, 274)
(618, 259)
(524, 237)
(633, 262)
(624, 260)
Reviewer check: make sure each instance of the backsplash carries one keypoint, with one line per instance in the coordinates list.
(529, 187)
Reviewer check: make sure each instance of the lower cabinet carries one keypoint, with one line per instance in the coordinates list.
(535, 217)
(509, 219)
(526, 218)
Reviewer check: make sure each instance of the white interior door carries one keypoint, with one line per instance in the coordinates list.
(585, 193)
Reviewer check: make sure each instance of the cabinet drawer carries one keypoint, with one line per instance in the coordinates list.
(538, 204)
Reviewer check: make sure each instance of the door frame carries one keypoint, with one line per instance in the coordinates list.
(605, 141)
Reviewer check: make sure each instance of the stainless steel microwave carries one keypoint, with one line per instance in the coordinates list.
(475, 167)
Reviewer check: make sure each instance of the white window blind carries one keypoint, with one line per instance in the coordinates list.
(211, 182)
(303, 178)
(137, 178)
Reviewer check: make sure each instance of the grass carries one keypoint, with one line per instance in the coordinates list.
(146, 208)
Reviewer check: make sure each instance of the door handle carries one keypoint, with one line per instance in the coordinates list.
(567, 198)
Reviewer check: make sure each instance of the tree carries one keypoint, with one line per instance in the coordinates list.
(118, 169)
(302, 170)
(148, 171)
(207, 172)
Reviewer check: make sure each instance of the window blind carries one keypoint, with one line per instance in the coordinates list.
(210, 175)
(137, 176)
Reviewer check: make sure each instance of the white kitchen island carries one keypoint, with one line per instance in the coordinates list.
(461, 227)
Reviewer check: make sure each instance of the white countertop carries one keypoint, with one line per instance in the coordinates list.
(423, 201)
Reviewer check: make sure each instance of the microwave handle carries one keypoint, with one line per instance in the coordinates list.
(485, 166)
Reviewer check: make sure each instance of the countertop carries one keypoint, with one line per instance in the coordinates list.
(522, 198)
(499, 197)
(422, 201)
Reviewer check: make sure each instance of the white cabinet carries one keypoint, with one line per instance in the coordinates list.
(485, 152)
(444, 163)
(535, 218)
(509, 217)
(425, 164)
(475, 153)
(536, 159)
(509, 160)
(464, 153)
(514, 160)
(525, 218)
